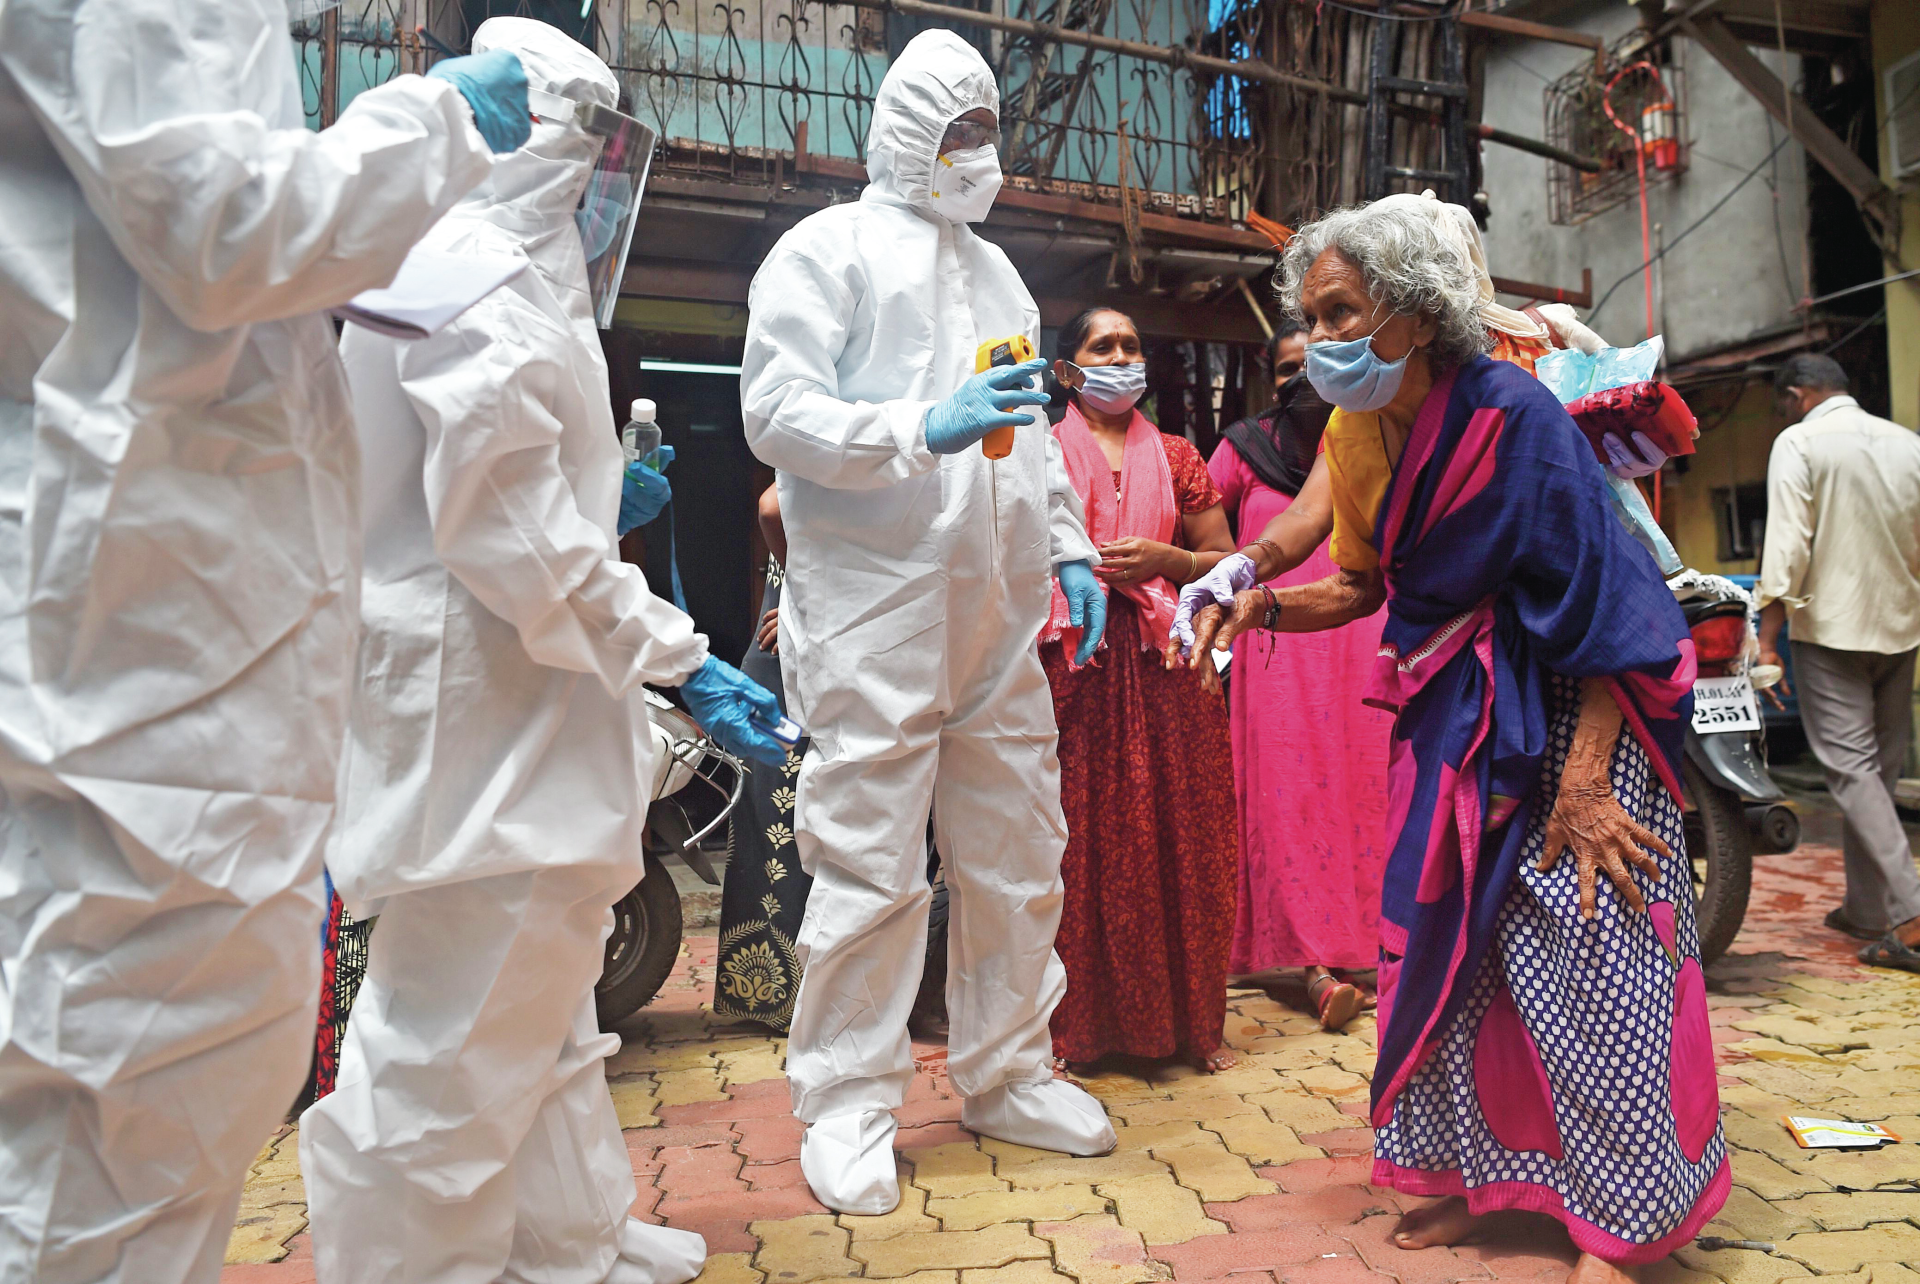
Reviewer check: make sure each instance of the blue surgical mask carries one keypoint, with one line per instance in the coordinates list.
(1114, 389)
(1351, 375)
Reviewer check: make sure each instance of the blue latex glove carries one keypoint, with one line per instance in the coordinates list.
(645, 490)
(981, 404)
(1086, 605)
(725, 701)
(1229, 575)
(495, 87)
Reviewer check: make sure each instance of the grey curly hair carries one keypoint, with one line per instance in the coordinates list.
(1407, 264)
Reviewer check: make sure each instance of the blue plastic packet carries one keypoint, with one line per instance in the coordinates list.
(786, 731)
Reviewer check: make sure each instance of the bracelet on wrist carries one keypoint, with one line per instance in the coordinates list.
(1273, 610)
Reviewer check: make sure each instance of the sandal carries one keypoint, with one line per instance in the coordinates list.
(1837, 920)
(1891, 951)
(1338, 1002)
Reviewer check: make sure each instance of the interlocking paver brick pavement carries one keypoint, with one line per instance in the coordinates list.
(1260, 1174)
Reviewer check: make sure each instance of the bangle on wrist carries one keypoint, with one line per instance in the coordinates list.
(1193, 567)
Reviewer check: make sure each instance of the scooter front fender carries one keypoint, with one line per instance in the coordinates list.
(1731, 760)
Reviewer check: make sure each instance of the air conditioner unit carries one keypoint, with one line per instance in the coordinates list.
(1902, 89)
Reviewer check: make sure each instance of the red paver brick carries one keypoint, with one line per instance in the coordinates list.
(1346, 1269)
(723, 1218)
(288, 1271)
(767, 1099)
(688, 1171)
(1409, 1266)
(1212, 1257)
(714, 1132)
(917, 1114)
(1328, 1206)
(781, 1176)
(1304, 1176)
(926, 1136)
(769, 1141)
(1343, 1141)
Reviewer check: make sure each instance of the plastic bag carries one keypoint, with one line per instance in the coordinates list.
(1571, 374)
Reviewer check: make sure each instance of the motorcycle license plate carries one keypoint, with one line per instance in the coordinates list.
(1724, 704)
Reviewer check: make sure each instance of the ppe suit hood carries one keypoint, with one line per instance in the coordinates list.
(534, 191)
(936, 79)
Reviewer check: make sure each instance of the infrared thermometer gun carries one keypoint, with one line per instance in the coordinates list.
(998, 444)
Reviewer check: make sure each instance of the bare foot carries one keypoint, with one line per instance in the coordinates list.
(1217, 1061)
(1591, 1270)
(1442, 1223)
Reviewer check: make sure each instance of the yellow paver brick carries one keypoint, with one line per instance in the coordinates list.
(755, 1065)
(261, 1234)
(1737, 1267)
(1754, 1218)
(955, 1169)
(1163, 1211)
(1303, 1112)
(1026, 1169)
(635, 1057)
(1836, 1252)
(1860, 1169)
(801, 1249)
(1186, 1106)
(1097, 1249)
(1834, 1211)
(920, 1277)
(909, 1217)
(1214, 1173)
(1048, 1204)
(951, 1250)
(1330, 1081)
(683, 1087)
(634, 1101)
(729, 1268)
(1769, 1178)
(1261, 1141)
(1016, 1273)
(1176, 1132)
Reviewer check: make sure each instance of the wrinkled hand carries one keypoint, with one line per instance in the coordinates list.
(1590, 821)
(987, 401)
(768, 636)
(1086, 605)
(1230, 575)
(1214, 629)
(1640, 458)
(725, 702)
(1131, 559)
(494, 84)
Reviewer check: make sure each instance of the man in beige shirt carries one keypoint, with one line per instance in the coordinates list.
(1843, 557)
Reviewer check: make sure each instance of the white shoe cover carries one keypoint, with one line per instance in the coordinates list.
(657, 1255)
(848, 1161)
(1049, 1115)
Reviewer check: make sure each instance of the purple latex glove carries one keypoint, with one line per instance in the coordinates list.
(1639, 459)
(1230, 575)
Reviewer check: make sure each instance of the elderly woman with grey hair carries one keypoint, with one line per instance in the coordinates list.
(1544, 1041)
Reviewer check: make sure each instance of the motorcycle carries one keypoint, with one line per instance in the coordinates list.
(1733, 806)
(696, 787)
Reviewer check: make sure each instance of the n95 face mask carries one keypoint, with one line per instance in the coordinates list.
(965, 183)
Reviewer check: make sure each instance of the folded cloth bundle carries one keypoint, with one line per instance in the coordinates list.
(1654, 409)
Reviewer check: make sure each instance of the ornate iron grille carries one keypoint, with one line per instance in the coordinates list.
(1576, 119)
(729, 86)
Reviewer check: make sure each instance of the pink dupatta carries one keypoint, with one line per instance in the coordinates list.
(1144, 507)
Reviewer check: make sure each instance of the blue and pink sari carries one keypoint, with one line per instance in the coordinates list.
(1528, 1058)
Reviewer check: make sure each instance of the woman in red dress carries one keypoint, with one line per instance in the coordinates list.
(1146, 762)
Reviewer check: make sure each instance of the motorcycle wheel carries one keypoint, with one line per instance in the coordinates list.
(642, 949)
(1720, 849)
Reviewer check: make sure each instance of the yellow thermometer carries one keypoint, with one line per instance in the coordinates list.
(998, 444)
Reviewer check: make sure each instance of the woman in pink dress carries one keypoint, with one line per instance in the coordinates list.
(1310, 760)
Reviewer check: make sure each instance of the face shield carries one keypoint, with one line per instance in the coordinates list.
(611, 201)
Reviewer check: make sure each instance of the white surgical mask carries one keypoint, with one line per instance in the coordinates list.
(1114, 389)
(965, 183)
(1351, 375)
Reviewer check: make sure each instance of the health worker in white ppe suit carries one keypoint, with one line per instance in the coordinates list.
(499, 763)
(916, 587)
(178, 564)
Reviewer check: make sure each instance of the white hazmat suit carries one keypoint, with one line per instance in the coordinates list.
(916, 587)
(498, 769)
(178, 566)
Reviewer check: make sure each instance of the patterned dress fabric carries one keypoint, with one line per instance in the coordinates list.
(1310, 771)
(757, 974)
(1146, 781)
(1577, 1080)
